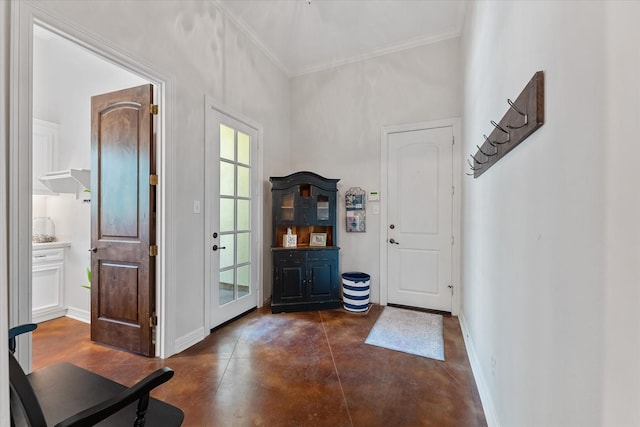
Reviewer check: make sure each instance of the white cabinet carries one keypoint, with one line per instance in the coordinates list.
(45, 146)
(47, 284)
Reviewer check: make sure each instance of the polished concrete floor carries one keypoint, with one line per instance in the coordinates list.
(290, 369)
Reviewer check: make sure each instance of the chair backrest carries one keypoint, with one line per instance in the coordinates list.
(25, 408)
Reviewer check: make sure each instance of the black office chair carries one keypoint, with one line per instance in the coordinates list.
(67, 395)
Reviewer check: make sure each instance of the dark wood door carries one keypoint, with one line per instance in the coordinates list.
(123, 220)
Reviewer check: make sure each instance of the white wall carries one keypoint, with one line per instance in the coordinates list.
(537, 226)
(621, 377)
(65, 77)
(337, 116)
(200, 52)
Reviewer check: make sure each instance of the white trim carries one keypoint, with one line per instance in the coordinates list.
(192, 338)
(483, 389)
(25, 15)
(337, 62)
(212, 103)
(80, 315)
(5, 14)
(406, 45)
(453, 123)
(247, 31)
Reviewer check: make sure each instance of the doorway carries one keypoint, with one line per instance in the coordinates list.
(26, 85)
(419, 256)
(65, 76)
(233, 220)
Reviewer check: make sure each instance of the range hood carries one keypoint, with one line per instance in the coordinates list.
(68, 181)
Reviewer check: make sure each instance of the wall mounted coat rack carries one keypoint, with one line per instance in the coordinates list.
(524, 116)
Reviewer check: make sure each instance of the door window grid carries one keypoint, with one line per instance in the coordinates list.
(235, 215)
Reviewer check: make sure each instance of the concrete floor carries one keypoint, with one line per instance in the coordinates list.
(290, 369)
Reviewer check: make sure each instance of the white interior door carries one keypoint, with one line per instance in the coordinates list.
(233, 223)
(419, 218)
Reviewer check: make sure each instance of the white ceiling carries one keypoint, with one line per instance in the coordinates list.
(304, 36)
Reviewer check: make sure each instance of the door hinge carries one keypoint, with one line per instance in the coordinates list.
(153, 179)
(153, 109)
(153, 320)
(153, 250)
(453, 190)
(452, 240)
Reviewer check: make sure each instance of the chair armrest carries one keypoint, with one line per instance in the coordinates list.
(19, 330)
(139, 391)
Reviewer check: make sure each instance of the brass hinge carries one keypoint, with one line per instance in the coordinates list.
(153, 250)
(153, 320)
(153, 109)
(153, 179)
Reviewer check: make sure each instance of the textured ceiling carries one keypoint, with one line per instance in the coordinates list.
(303, 36)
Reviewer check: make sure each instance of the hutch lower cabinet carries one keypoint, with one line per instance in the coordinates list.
(305, 268)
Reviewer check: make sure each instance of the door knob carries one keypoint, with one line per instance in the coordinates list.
(393, 241)
(93, 249)
(216, 247)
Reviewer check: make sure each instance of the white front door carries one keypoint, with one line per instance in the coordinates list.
(233, 224)
(419, 218)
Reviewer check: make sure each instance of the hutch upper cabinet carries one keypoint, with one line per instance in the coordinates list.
(305, 276)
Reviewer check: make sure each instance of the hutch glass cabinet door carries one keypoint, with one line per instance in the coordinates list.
(287, 212)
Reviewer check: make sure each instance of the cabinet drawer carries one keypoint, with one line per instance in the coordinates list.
(288, 257)
(47, 255)
(323, 255)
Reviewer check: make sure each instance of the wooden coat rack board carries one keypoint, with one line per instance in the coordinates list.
(524, 116)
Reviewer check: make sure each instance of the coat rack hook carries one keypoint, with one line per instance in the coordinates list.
(486, 138)
(478, 161)
(487, 154)
(473, 168)
(494, 144)
(517, 110)
(500, 128)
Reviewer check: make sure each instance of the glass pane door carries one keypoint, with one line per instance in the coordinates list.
(232, 226)
(235, 215)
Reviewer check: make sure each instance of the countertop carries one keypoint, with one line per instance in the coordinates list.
(51, 245)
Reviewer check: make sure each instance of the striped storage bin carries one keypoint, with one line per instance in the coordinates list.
(355, 291)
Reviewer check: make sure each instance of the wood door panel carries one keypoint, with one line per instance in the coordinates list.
(119, 168)
(118, 282)
(122, 220)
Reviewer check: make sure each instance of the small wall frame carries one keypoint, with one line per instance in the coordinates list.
(356, 212)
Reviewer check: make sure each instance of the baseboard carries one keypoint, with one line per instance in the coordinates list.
(42, 315)
(81, 315)
(483, 390)
(190, 339)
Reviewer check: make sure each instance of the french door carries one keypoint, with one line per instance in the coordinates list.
(232, 192)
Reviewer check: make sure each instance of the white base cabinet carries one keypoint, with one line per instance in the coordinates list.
(47, 284)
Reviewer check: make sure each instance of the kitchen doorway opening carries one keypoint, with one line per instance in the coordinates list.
(39, 79)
